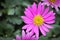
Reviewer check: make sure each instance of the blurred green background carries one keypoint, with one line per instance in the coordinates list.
(11, 23)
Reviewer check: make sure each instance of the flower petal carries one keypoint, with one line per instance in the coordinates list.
(33, 36)
(34, 9)
(40, 8)
(45, 28)
(25, 27)
(46, 11)
(56, 8)
(50, 22)
(29, 28)
(29, 34)
(42, 31)
(18, 37)
(28, 12)
(23, 33)
(50, 18)
(36, 31)
(26, 20)
(49, 14)
(48, 26)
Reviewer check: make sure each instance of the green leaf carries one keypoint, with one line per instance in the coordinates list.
(6, 29)
(2, 38)
(9, 29)
(43, 38)
(58, 38)
(56, 30)
(58, 12)
(14, 20)
(25, 4)
(11, 11)
(18, 11)
(0, 13)
(12, 3)
(18, 32)
(49, 34)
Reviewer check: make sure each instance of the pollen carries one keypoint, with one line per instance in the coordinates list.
(38, 20)
(53, 1)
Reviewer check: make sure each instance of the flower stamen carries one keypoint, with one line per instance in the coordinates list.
(53, 1)
(38, 20)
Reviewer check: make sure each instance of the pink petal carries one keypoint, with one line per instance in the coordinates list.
(18, 37)
(45, 28)
(56, 8)
(57, 3)
(29, 28)
(54, 13)
(42, 8)
(49, 14)
(36, 31)
(25, 27)
(29, 34)
(33, 36)
(28, 12)
(29, 8)
(50, 22)
(42, 31)
(39, 8)
(23, 33)
(48, 26)
(50, 18)
(46, 11)
(26, 20)
(34, 9)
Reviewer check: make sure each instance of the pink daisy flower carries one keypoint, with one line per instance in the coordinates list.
(38, 18)
(53, 3)
(25, 37)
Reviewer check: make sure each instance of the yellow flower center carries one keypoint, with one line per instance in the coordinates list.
(52, 1)
(38, 20)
